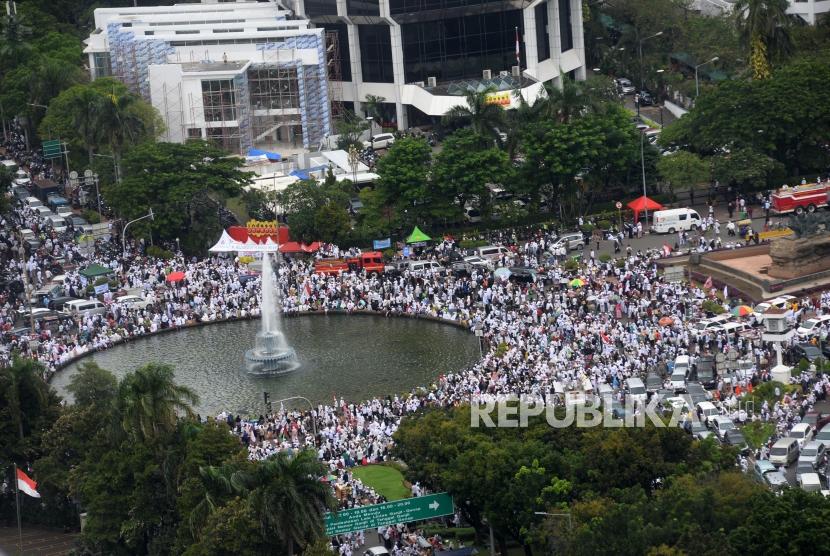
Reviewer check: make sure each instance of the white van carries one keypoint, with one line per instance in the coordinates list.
(784, 451)
(636, 389)
(492, 252)
(33, 202)
(84, 306)
(21, 178)
(673, 220)
(707, 410)
(423, 266)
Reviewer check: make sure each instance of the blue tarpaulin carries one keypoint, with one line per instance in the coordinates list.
(302, 174)
(270, 156)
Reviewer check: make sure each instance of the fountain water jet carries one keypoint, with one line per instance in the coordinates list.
(271, 354)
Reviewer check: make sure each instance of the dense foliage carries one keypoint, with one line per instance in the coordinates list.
(622, 490)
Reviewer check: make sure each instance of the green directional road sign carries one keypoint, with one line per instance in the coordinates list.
(52, 149)
(389, 513)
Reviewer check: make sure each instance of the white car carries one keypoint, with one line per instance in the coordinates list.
(720, 424)
(624, 86)
(803, 432)
(64, 211)
(779, 302)
(809, 327)
(132, 301)
(380, 141)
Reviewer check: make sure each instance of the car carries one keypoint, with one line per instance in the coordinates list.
(624, 86)
(645, 98)
(43, 211)
(810, 326)
(705, 371)
(571, 241)
(472, 215)
(78, 221)
(818, 420)
(697, 393)
(653, 382)
(522, 275)
(720, 424)
(711, 325)
(780, 302)
(20, 193)
(58, 303)
(697, 429)
(380, 141)
(803, 351)
(133, 301)
(22, 179)
(376, 551)
(767, 474)
(735, 438)
(811, 482)
(803, 432)
(468, 264)
(55, 201)
(64, 211)
(824, 434)
(812, 453)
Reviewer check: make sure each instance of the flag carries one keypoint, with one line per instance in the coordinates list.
(708, 284)
(26, 485)
(518, 50)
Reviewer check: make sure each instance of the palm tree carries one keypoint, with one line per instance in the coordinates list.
(84, 110)
(25, 393)
(288, 498)
(762, 25)
(119, 123)
(483, 117)
(375, 109)
(149, 401)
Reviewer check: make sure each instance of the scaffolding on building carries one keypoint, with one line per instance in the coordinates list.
(335, 72)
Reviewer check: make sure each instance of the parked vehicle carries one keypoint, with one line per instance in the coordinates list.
(780, 302)
(570, 241)
(492, 252)
(636, 389)
(472, 215)
(371, 261)
(811, 482)
(767, 474)
(706, 411)
(133, 301)
(21, 178)
(680, 372)
(696, 393)
(645, 98)
(784, 451)
(824, 434)
(721, 424)
(425, 266)
(85, 306)
(673, 220)
(800, 198)
(810, 326)
(624, 86)
(468, 264)
(59, 303)
(653, 382)
(380, 141)
(803, 351)
(735, 438)
(32, 202)
(813, 453)
(55, 201)
(705, 371)
(803, 432)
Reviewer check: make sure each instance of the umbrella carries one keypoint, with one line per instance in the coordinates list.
(502, 273)
(175, 276)
(742, 310)
(577, 283)
(666, 321)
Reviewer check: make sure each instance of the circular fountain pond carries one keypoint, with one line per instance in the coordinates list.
(353, 356)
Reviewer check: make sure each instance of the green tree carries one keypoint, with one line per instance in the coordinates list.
(121, 122)
(485, 118)
(184, 184)
(92, 386)
(27, 407)
(316, 212)
(762, 25)
(349, 130)
(149, 402)
(464, 167)
(404, 179)
(744, 168)
(683, 170)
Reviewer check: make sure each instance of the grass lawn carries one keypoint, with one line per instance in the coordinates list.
(385, 479)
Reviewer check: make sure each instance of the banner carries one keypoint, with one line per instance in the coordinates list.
(501, 98)
(382, 243)
(103, 288)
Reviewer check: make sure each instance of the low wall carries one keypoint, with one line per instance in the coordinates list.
(364, 312)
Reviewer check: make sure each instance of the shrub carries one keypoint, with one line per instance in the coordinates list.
(620, 263)
(389, 253)
(603, 224)
(571, 264)
(604, 258)
(159, 253)
(91, 216)
(587, 228)
(713, 307)
(472, 243)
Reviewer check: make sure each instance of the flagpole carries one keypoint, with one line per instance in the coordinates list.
(17, 503)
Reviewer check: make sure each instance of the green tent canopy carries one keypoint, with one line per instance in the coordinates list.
(417, 236)
(95, 270)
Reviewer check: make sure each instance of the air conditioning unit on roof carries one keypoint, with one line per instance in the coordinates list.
(487, 74)
(432, 81)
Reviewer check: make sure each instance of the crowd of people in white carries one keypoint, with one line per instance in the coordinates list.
(603, 329)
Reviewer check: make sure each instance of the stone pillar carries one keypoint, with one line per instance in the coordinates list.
(579, 37)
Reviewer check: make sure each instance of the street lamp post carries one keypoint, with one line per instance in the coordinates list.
(697, 81)
(149, 215)
(114, 163)
(640, 52)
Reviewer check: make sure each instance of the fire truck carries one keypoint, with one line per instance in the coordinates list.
(800, 198)
(370, 262)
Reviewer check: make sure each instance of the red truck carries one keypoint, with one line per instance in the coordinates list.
(807, 197)
(371, 261)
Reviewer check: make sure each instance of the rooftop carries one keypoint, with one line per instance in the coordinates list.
(193, 67)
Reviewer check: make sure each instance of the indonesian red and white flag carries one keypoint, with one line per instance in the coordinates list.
(26, 485)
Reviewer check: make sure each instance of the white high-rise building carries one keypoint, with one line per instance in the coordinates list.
(244, 74)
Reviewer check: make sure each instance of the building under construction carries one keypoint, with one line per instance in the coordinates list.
(244, 75)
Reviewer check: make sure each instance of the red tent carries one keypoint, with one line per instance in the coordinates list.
(641, 204)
